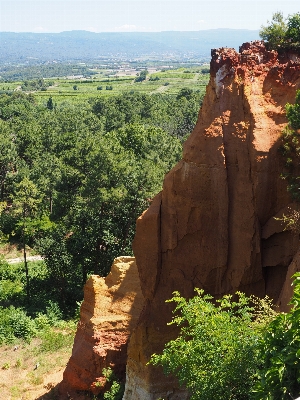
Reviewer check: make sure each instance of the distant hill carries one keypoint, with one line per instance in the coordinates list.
(83, 45)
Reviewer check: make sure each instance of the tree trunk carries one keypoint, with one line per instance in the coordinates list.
(26, 265)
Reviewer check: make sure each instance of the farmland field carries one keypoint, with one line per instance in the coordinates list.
(77, 89)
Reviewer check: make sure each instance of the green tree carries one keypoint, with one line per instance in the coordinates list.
(66, 285)
(274, 33)
(8, 155)
(293, 29)
(142, 76)
(282, 33)
(50, 104)
(25, 206)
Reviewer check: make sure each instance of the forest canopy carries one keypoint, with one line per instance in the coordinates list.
(74, 177)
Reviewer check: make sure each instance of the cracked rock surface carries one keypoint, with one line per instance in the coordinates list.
(211, 226)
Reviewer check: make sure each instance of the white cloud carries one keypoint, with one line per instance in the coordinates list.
(126, 28)
(39, 29)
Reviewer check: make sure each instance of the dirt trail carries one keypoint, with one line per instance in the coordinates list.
(20, 259)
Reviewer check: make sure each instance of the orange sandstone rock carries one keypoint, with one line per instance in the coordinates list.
(211, 227)
(108, 314)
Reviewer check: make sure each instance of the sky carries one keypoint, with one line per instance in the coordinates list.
(138, 15)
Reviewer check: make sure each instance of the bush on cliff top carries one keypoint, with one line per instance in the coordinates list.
(282, 32)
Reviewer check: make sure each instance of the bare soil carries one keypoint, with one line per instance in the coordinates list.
(26, 376)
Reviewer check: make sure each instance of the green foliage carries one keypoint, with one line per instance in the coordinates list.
(293, 28)
(52, 339)
(37, 84)
(205, 70)
(215, 354)
(274, 33)
(293, 113)
(6, 366)
(116, 390)
(73, 180)
(154, 78)
(21, 72)
(9, 290)
(176, 115)
(115, 393)
(141, 76)
(290, 148)
(15, 324)
(281, 32)
(280, 354)
(291, 221)
(50, 104)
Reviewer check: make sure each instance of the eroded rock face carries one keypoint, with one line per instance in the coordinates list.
(212, 227)
(108, 314)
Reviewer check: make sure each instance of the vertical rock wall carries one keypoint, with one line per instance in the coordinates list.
(212, 225)
(108, 314)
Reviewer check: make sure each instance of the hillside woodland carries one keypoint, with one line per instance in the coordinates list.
(74, 178)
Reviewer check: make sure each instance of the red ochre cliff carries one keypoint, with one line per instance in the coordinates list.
(213, 225)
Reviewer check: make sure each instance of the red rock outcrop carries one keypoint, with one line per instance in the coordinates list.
(213, 224)
(108, 314)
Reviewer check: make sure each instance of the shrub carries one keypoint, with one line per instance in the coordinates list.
(280, 354)
(205, 70)
(9, 289)
(154, 78)
(116, 390)
(115, 393)
(53, 340)
(215, 355)
(15, 324)
(53, 313)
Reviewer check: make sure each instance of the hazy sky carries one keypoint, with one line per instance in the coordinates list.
(138, 15)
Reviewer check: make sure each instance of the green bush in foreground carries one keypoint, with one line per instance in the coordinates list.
(216, 353)
(280, 354)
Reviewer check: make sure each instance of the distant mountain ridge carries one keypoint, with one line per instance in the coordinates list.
(84, 45)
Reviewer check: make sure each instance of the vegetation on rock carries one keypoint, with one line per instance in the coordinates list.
(290, 149)
(282, 33)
